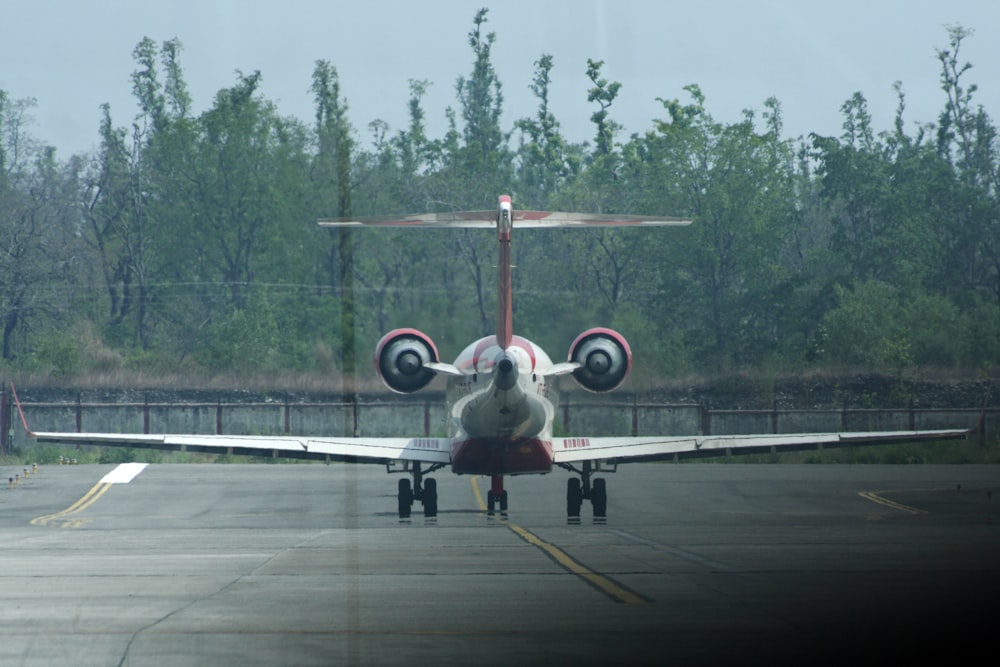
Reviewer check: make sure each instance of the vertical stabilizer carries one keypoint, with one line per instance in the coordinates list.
(505, 220)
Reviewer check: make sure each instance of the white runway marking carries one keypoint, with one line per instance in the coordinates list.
(123, 474)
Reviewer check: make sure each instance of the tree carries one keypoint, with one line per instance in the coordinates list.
(331, 174)
(543, 158)
(604, 93)
(114, 214)
(967, 138)
(37, 216)
(737, 183)
(483, 159)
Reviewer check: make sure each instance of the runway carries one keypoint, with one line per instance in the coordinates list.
(264, 564)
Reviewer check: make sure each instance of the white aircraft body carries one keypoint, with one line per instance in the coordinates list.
(501, 404)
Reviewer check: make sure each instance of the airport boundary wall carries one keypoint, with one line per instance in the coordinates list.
(427, 418)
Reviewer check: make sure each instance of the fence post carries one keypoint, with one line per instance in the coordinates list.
(4, 421)
(635, 415)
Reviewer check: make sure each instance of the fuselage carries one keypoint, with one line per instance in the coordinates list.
(500, 410)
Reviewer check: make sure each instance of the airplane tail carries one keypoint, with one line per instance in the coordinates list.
(504, 218)
(505, 310)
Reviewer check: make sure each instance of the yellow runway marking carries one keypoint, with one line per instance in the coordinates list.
(88, 499)
(479, 496)
(875, 498)
(614, 590)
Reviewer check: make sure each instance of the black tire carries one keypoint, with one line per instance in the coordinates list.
(405, 498)
(430, 497)
(599, 497)
(574, 497)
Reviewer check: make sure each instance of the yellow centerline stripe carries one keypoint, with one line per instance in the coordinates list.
(875, 498)
(479, 496)
(615, 591)
(83, 503)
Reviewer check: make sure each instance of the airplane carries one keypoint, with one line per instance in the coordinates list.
(501, 406)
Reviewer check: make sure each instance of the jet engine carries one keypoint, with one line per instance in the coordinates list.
(605, 359)
(400, 359)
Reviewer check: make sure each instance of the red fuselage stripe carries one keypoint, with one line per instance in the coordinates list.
(492, 456)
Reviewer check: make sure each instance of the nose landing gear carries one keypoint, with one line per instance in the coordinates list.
(496, 496)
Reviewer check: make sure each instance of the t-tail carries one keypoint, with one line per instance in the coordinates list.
(505, 222)
(407, 359)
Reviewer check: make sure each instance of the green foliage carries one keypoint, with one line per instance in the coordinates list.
(545, 159)
(58, 355)
(188, 241)
(877, 325)
(246, 340)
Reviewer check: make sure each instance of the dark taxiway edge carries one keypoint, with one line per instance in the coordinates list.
(309, 565)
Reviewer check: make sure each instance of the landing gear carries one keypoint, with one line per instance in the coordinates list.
(582, 488)
(574, 499)
(496, 496)
(430, 498)
(424, 490)
(405, 497)
(599, 499)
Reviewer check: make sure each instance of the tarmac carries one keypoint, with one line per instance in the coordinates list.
(309, 564)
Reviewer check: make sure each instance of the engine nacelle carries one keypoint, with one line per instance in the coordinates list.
(400, 359)
(605, 359)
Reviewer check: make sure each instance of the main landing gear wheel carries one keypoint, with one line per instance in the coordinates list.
(430, 498)
(583, 488)
(599, 499)
(574, 500)
(422, 489)
(405, 498)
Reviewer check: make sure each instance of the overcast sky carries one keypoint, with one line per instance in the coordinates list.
(73, 55)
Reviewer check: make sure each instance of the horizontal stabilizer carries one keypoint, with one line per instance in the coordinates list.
(522, 219)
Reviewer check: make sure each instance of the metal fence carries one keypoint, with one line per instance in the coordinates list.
(427, 418)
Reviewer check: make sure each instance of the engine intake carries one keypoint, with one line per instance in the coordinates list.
(605, 359)
(400, 359)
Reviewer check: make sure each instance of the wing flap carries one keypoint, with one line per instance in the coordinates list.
(569, 450)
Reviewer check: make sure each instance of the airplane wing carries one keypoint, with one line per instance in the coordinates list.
(626, 449)
(355, 450)
(522, 219)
